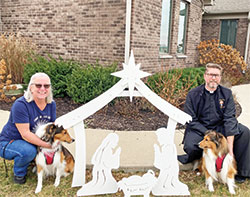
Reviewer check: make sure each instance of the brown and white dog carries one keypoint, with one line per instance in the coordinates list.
(217, 163)
(56, 161)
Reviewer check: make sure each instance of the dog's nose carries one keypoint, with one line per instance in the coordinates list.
(73, 140)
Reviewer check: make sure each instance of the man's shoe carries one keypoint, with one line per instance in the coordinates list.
(19, 179)
(239, 179)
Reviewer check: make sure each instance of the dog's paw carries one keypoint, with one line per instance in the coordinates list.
(211, 188)
(34, 169)
(232, 191)
(38, 189)
(56, 183)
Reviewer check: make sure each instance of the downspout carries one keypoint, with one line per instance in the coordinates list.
(128, 28)
(248, 37)
(1, 24)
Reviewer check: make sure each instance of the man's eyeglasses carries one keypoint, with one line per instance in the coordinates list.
(213, 75)
(38, 85)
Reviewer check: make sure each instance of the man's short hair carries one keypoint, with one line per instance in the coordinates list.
(213, 65)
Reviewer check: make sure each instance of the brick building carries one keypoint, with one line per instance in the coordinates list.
(229, 21)
(161, 32)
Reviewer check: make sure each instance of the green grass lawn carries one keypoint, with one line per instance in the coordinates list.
(195, 183)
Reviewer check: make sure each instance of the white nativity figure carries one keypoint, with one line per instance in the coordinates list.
(104, 160)
(136, 185)
(166, 161)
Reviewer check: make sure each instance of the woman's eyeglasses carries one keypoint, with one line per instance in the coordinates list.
(38, 85)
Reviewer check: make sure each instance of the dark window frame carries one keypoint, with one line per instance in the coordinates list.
(228, 31)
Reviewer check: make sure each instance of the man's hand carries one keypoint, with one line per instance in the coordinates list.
(230, 141)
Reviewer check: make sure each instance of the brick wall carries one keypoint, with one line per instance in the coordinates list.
(193, 33)
(241, 35)
(211, 30)
(88, 30)
(84, 30)
(145, 33)
(192, 37)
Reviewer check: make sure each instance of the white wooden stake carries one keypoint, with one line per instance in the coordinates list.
(80, 155)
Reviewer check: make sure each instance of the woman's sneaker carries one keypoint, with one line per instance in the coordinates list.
(19, 179)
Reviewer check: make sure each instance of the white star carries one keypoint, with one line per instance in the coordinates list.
(131, 73)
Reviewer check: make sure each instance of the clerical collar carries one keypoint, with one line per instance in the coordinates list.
(211, 92)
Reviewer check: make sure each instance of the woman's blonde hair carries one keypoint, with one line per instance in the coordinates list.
(28, 94)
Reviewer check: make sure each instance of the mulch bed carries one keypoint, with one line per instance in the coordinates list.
(112, 117)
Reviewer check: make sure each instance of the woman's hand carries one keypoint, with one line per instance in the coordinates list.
(47, 145)
(30, 137)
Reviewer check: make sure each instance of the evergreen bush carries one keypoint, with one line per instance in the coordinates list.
(89, 82)
(59, 71)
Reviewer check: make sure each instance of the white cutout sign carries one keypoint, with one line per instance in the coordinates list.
(166, 161)
(104, 160)
(130, 78)
(136, 185)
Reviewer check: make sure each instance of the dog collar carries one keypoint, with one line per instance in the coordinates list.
(49, 156)
(219, 163)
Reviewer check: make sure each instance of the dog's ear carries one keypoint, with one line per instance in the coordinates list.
(52, 128)
(218, 139)
(207, 132)
(214, 137)
(219, 136)
(60, 128)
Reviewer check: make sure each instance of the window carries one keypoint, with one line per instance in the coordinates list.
(182, 27)
(228, 32)
(165, 26)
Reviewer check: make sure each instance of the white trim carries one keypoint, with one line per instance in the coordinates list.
(181, 56)
(225, 16)
(247, 40)
(127, 33)
(165, 56)
(236, 11)
(189, 1)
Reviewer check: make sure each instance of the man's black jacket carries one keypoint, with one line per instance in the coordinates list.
(225, 107)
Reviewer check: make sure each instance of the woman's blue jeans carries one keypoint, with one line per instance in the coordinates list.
(21, 152)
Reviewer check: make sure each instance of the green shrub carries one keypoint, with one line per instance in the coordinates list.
(173, 85)
(91, 81)
(190, 75)
(59, 72)
(187, 75)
